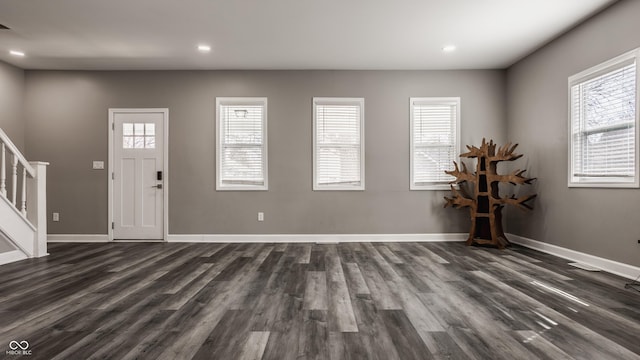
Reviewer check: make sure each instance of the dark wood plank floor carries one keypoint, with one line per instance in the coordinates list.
(308, 301)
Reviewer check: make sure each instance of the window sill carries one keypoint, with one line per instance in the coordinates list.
(601, 185)
(338, 188)
(242, 188)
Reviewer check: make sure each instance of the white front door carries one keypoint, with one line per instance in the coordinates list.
(138, 173)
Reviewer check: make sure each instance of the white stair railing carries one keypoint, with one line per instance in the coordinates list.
(32, 201)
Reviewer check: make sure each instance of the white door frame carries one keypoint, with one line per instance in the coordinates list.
(165, 176)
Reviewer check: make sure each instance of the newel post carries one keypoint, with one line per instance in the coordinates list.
(37, 206)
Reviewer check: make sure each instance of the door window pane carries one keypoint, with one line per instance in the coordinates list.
(138, 136)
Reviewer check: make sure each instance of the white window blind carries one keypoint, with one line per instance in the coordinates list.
(338, 155)
(434, 141)
(242, 150)
(604, 125)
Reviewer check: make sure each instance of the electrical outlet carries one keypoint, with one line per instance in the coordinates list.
(56, 216)
(260, 216)
(98, 165)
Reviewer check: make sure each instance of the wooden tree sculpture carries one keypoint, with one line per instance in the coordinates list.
(486, 205)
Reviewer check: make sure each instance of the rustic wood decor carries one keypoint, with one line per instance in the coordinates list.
(486, 204)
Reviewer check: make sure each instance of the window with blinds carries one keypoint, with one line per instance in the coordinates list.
(604, 125)
(241, 127)
(434, 141)
(338, 144)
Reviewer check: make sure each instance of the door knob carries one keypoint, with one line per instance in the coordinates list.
(159, 186)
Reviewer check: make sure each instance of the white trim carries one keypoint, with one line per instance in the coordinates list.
(165, 180)
(12, 256)
(586, 75)
(110, 170)
(265, 148)
(431, 100)
(79, 238)
(13, 150)
(340, 101)
(37, 202)
(614, 267)
(315, 238)
(274, 238)
(603, 67)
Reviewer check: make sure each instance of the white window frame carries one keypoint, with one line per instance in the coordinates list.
(444, 185)
(241, 101)
(586, 75)
(339, 101)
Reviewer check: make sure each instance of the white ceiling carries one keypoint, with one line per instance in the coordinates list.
(282, 34)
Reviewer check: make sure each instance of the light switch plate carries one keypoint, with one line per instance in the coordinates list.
(98, 165)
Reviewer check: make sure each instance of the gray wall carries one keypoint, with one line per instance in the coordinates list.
(5, 245)
(12, 103)
(67, 126)
(11, 114)
(602, 222)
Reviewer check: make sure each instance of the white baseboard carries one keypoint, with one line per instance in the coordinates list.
(314, 238)
(274, 238)
(11, 256)
(614, 267)
(79, 238)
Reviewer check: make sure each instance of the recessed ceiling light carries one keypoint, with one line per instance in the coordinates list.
(204, 48)
(449, 48)
(16, 53)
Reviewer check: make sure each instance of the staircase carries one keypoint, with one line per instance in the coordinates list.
(23, 204)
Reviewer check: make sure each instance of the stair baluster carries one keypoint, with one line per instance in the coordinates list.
(14, 178)
(3, 173)
(23, 208)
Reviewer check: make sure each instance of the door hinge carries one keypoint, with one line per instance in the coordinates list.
(113, 126)
(113, 176)
(113, 225)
